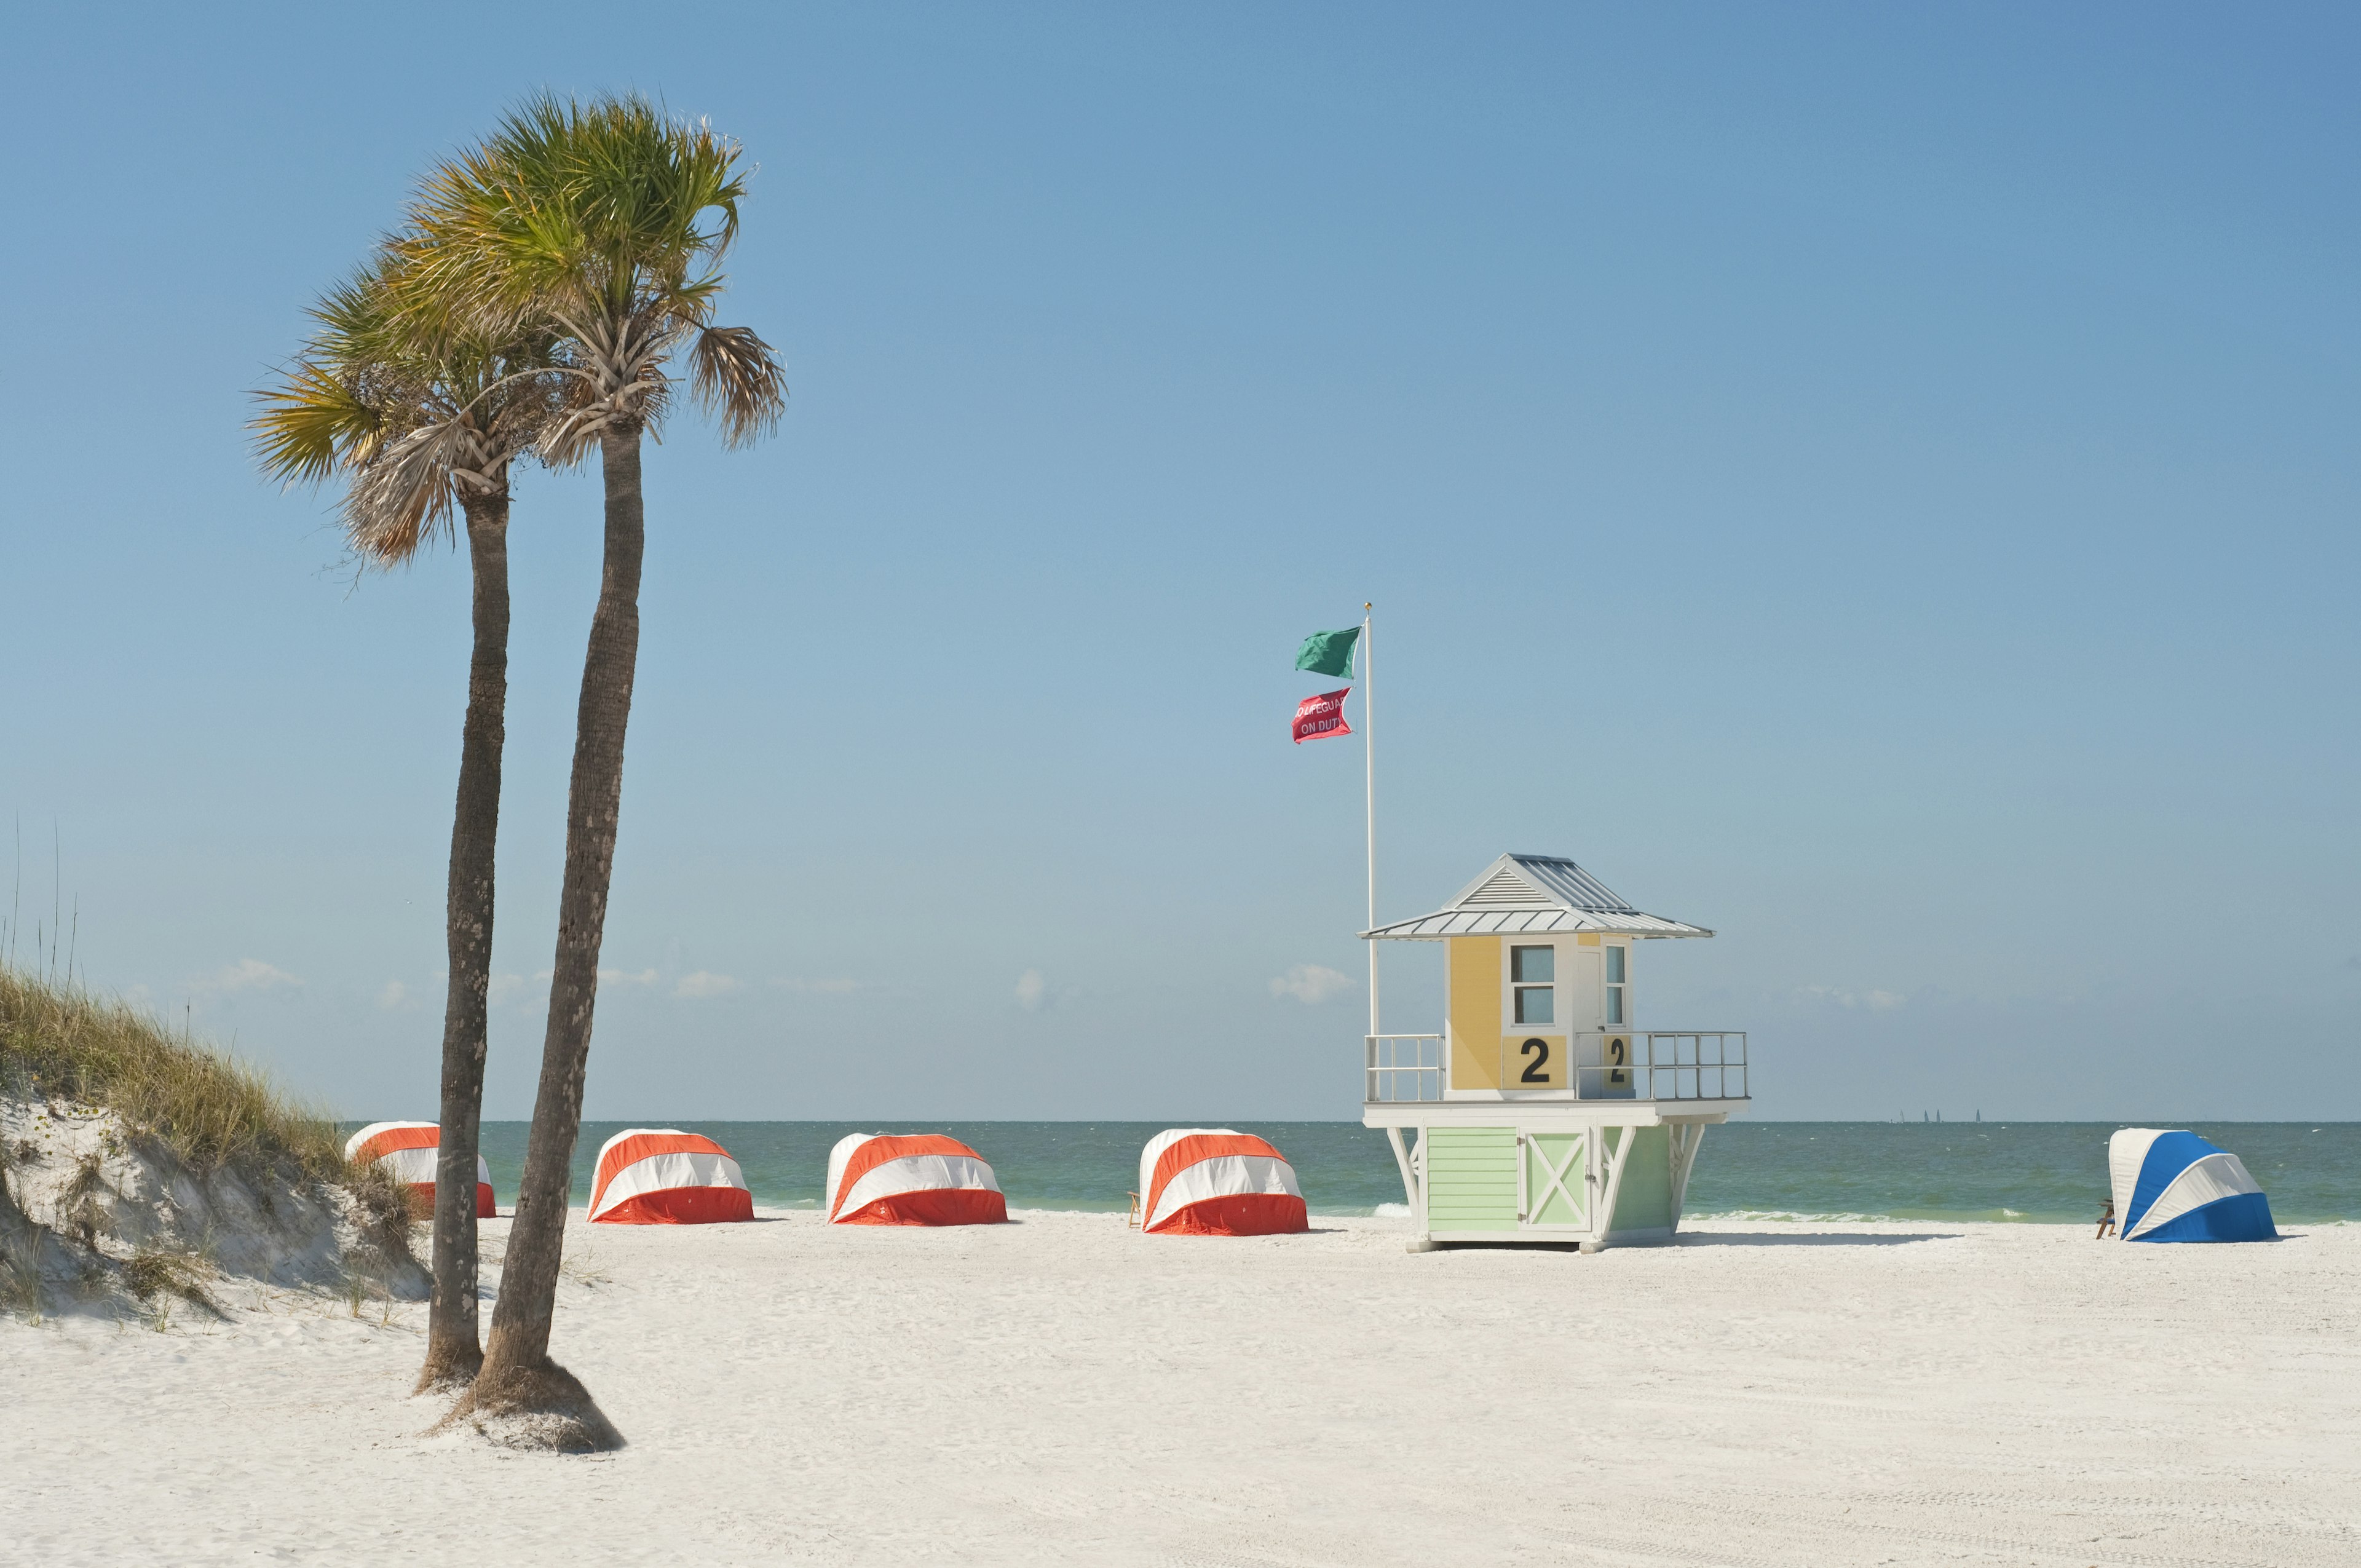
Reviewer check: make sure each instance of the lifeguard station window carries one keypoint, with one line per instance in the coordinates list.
(1617, 978)
(1532, 971)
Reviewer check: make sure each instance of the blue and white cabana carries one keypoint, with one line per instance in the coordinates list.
(2176, 1187)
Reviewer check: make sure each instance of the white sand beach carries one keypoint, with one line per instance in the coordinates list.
(1059, 1389)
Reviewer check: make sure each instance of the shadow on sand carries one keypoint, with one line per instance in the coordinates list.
(1709, 1238)
(1809, 1238)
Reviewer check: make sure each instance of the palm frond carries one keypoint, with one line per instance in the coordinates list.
(310, 422)
(739, 381)
(356, 322)
(403, 499)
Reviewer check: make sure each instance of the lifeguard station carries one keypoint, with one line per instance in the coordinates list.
(1542, 1114)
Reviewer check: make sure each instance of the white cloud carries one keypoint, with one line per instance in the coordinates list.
(1032, 991)
(704, 983)
(626, 977)
(395, 997)
(504, 986)
(1309, 983)
(249, 974)
(819, 987)
(1877, 1001)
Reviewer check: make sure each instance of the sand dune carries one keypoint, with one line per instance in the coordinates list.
(1062, 1390)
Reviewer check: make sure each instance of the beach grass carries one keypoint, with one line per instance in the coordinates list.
(155, 1272)
(210, 1109)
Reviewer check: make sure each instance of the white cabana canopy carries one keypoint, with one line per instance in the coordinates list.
(1534, 895)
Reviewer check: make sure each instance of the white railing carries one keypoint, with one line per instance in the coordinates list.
(1403, 1062)
(1664, 1064)
(1708, 1064)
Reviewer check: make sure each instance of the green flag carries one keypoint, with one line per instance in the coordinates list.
(1329, 653)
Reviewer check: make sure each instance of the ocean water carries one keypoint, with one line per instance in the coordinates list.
(2039, 1172)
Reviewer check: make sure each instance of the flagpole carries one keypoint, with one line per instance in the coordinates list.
(1370, 768)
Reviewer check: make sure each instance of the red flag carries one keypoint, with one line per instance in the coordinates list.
(1317, 718)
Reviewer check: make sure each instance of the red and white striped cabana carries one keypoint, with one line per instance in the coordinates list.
(1211, 1181)
(661, 1176)
(408, 1150)
(922, 1179)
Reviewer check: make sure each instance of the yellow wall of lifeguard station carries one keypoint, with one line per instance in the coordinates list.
(1475, 982)
(1474, 1011)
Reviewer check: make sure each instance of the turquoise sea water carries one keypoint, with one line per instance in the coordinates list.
(2037, 1171)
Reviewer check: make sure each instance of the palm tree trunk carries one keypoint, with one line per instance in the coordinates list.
(453, 1354)
(518, 1378)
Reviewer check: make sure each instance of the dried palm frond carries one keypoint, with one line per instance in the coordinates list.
(740, 381)
(402, 498)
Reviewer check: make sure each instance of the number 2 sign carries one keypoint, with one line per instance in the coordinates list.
(1533, 1062)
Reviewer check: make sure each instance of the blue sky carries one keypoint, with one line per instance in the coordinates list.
(1878, 482)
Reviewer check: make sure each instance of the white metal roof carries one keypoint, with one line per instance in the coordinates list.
(1534, 895)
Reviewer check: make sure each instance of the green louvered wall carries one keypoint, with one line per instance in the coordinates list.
(1471, 1179)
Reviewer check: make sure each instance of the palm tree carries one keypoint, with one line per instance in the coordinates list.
(604, 222)
(419, 423)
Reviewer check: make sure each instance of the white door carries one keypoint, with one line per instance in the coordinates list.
(1586, 999)
(1586, 1004)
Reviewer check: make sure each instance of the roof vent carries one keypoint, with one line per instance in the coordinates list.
(1504, 889)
